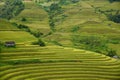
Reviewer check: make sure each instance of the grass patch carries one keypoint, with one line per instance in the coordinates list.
(32, 61)
(17, 36)
(5, 25)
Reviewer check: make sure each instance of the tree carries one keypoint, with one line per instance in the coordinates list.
(93, 43)
(23, 19)
(62, 2)
(11, 8)
(111, 53)
(114, 0)
(40, 42)
(53, 11)
(75, 1)
(115, 18)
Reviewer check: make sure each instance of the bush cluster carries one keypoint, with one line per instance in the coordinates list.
(40, 42)
(114, 18)
(22, 27)
(75, 28)
(29, 61)
(11, 8)
(111, 53)
(114, 0)
(94, 43)
(23, 19)
(37, 34)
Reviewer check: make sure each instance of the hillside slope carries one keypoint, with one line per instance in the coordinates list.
(9, 32)
(89, 17)
(53, 62)
(63, 57)
(36, 17)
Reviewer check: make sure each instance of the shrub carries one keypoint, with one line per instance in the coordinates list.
(75, 28)
(29, 61)
(23, 19)
(16, 62)
(37, 34)
(111, 53)
(75, 1)
(52, 25)
(53, 11)
(114, 0)
(114, 18)
(39, 42)
(14, 24)
(94, 43)
(63, 2)
(23, 27)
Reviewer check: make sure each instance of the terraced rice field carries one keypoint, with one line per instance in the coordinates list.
(7, 26)
(57, 63)
(17, 36)
(9, 32)
(30, 62)
(39, 19)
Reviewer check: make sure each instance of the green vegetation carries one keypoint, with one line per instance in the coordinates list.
(56, 43)
(75, 29)
(5, 25)
(94, 43)
(22, 27)
(113, 0)
(54, 11)
(55, 60)
(115, 18)
(1, 46)
(61, 40)
(39, 42)
(75, 1)
(29, 61)
(11, 8)
(36, 18)
(17, 36)
(37, 34)
(23, 19)
(111, 53)
(79, 22)
(11, 32)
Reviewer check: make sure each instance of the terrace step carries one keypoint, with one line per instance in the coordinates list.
(58, 63)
